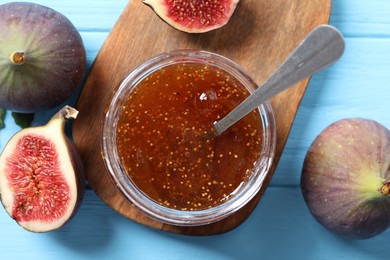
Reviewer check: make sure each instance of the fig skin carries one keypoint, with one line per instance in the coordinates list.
(345, 178)
(195, 19)
(42, 57)
(28, 183)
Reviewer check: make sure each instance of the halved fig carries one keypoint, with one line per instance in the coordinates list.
(41, 175)
(194, 16)
(42, 57)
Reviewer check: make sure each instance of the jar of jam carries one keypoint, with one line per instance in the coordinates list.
(160, 148)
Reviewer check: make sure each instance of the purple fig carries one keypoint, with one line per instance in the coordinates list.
(42, 57)
(41, 175)
(346, 178)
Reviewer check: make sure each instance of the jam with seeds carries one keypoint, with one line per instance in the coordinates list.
(166, 141)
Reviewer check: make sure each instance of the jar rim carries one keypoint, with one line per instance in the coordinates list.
(143, 203)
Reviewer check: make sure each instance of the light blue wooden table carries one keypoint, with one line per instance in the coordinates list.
(281, 227)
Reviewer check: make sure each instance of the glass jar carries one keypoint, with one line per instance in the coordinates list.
(120, 177)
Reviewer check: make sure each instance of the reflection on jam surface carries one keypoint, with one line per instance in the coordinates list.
(166, 143)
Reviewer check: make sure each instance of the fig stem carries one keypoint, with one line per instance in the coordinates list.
(18, 57)
(63, 115)
(385, 190)
(68, 112)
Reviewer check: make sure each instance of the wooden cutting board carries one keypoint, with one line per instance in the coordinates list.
(259, 36)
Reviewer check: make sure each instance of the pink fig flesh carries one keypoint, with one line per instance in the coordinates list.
(194, 16)
(345, 178)
(41, 176)
(34, 173)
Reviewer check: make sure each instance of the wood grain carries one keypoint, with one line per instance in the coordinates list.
(259, 37)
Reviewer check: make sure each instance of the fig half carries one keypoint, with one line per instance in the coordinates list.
(194, 16)
(346, 178)
(41, 175)
(42, 57)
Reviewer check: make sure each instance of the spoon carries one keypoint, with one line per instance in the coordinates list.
(323, 46)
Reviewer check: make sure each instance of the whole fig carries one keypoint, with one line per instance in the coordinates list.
(41, 175)
(346, 178)
(42, 57)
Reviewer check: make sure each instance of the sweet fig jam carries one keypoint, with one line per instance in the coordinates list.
(166, 141)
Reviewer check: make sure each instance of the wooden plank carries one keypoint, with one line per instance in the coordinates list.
(87, 15)
(350, 88)
(259, 37)
(361, 18)
(97, 232)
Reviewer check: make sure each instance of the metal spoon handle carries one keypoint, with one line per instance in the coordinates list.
(320, 48)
